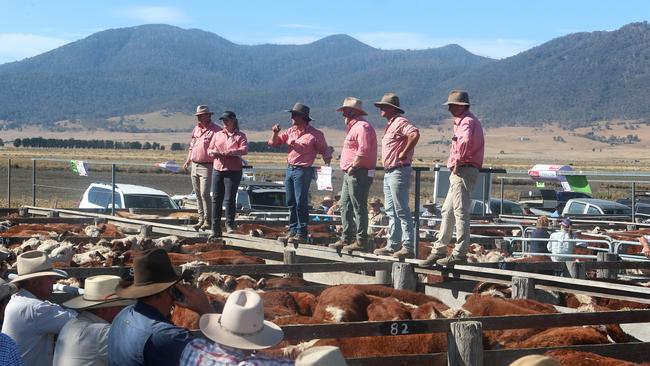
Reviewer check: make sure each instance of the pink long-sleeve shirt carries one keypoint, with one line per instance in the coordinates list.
(229, 147)
(200, 142)
(394, 141)
(303, 146)
(361, 140)
(468, 145)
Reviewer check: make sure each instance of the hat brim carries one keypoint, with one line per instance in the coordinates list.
(379, 104)
(80, 303)
(300, 113)
(456, 103)
(343, 107)
(198, 114)
(136, 292)
(51, 272)
(270, 335)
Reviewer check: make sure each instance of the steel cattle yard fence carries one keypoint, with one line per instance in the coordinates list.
(464, 335)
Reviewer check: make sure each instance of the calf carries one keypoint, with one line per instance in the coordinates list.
(343, 303)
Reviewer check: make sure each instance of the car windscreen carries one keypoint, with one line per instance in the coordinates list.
(148, 201)
(267, 200)
(102, 197)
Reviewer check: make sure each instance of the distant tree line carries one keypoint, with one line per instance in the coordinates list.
(86, 144)
(253, 146)
(612, 140)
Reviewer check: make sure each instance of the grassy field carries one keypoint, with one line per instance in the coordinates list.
(517, 148)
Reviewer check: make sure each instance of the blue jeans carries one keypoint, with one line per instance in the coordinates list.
(296, 184)
(397, 183)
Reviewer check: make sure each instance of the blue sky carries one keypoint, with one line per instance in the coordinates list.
(495, 28)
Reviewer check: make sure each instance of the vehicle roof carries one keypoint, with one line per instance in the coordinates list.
(132, 189)
(599, 202)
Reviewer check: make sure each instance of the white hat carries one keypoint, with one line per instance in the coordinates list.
(242, 324)
(99, 292)
(321, 356)
(202, 109)
(35, 264)
(535, 360)
(354, 103)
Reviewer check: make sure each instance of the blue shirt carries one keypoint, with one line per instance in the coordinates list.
(201, 352)
(141, 335)
(9, 355)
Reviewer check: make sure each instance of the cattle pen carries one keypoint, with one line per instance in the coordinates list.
(323, 267)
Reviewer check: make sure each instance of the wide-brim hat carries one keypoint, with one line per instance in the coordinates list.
(354, 103)
(242, 324)
(458, 97)
(428, 203)
(152, 273)
(99, 292)
(321, 356)
(301, 109)
(375, 201)
(565, 223)
(390, 99)
(327, 199)
(34, 264)
(202, 109)
(535, 360)
(6, 289)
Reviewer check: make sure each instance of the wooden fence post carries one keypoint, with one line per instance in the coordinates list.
(289, 255)
(465, 344)
(404, 277)
(576, 269)
(605, 272)
(523, 288)
(383, 277)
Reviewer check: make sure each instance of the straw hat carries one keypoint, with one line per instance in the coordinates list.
(99, 292)
(354, 103)
(327, 199)
(458, 97)
(152, 273)
(202, 109)
(375, 201)
(535, 360)
(301, 109)
(242, 324)
(6, 289)
(390, 99)
(34, 264)
(428, 203)
(321, 356)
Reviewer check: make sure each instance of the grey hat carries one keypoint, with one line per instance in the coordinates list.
(301, 109)
(202, 109)
(458, 97)
(390, 99)
(228, 115)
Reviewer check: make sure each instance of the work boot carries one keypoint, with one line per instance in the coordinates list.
(215, 237)
(206, 225)
(340, 244)
(384, 251)
(403, 253)
(198, 225)
(298, 239)
(432, 259)
(453, 259)
(357, 245)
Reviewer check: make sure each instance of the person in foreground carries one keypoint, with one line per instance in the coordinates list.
(465, 160)
(321, 356)
(84, 341)
(237, 333)
(304, 142)
(142, 334)
(30, 320)
(397, 149)
(227, 147)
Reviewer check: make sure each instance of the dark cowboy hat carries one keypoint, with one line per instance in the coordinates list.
(458, 97)
(152, 272)
(301, 109)
(228, 115)
(390, 99)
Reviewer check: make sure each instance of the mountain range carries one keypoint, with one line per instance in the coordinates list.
(575, 79)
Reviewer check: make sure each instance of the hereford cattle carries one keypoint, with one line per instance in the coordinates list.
(575, 358)
(388, 308)
(562, 337)
(345, 303)
(61, 230)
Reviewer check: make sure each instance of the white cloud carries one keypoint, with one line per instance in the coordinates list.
(17, 46)
(157, 14)
(495, 48)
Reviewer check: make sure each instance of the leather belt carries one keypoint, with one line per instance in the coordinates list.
(297, 166)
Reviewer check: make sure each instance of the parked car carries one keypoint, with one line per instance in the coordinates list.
(509, 207)
(641, 207)
(252, 196)
(547, 200)
(98, 195)
(595, 207)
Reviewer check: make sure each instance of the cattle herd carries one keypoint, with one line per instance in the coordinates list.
(105, 245)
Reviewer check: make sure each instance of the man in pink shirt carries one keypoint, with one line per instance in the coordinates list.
(358, 159)
(465, 160)
(304, 142)
(397, 148)
(201, 164)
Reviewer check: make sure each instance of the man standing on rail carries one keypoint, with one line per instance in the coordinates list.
(465, 160)
(201, 164)
(304, 142)
(358, 159)
(397, 148)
